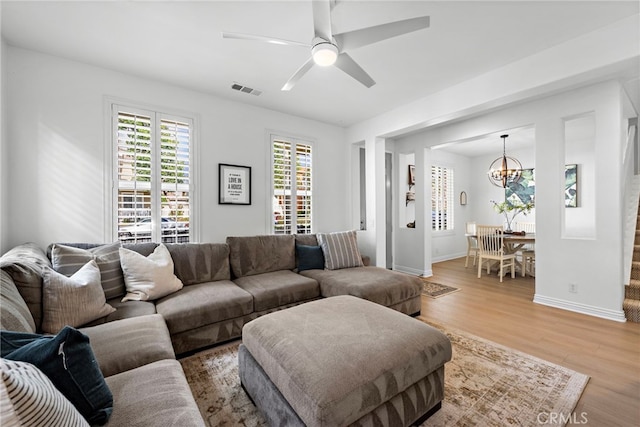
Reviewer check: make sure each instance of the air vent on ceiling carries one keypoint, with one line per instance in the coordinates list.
(245, 89)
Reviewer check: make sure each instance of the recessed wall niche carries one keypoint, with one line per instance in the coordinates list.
(407, 190)
(579, 184)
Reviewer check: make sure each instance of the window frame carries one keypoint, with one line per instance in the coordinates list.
(158, 115)
(294, 141)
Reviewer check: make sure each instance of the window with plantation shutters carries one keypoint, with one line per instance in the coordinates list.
(292, 186)
(441, 198)
(153, 196)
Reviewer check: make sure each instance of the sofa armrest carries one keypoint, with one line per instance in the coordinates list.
(126, 344)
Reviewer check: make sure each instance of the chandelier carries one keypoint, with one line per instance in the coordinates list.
(505, 169)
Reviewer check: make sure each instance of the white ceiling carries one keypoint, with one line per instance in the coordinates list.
(578, 129)
(180, 43)
(517, 139)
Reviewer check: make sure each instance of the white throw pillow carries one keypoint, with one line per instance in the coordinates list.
(148, 278)
(28, 398)
(340, 250)
(74, 300)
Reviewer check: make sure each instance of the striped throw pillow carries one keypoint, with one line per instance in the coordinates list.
(74, 300)
(340, 250)
(28, 398)
(67, 260)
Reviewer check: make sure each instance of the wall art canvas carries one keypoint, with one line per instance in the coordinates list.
(571, 186)
(524, 190)
(235, 184)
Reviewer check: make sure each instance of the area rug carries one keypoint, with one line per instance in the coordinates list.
(436, 290)
(486, 384)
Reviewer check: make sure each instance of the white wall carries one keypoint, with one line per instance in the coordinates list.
(4, 158)
(409, 243)
(57, 152)
(470, 176)
(590, 58)
(594, 264)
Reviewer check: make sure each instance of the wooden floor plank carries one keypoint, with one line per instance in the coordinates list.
(607, 351)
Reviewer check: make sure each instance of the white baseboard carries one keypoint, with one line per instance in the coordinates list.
(615, 315)
(413, 271)
(448, 257)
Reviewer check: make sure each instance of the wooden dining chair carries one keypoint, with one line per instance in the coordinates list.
(491, 248)
(472, 243)
(527, 252)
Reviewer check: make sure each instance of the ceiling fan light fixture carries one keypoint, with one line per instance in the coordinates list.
(324, 54)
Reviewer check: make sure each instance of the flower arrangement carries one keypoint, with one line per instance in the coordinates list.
(512, 209)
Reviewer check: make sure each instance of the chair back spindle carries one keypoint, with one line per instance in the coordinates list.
(491, 248)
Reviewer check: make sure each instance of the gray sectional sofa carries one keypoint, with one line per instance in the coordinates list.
(226, 285)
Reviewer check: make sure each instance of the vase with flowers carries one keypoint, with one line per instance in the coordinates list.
(510, 210)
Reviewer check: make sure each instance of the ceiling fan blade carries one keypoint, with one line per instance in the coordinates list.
(321, 19)
(298, 75)
(226, 35)
(349, 66)
(366, 36)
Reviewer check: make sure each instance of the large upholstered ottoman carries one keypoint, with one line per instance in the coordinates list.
(343, 361)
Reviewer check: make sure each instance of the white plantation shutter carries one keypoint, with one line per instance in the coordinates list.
(153, 171)
(303, 189)
(175, 139)
(441, 198)
(134, 169)
(292, 186)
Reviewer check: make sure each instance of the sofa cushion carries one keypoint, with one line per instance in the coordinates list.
(25, 264)
(200, 262)
(14, 313)
(340, 250)
(156, 394)
(306, 239)
(202, 304)
(73, 300)
(309, 257)
(144, 249)
(69, 362)
(30, 399)
(68, 259)
(382, 286)
(129, 343)
(261, 254)
(148, 278)
(125, 310)
(278, 288)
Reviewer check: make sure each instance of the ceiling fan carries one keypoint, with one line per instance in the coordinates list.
(331, 49)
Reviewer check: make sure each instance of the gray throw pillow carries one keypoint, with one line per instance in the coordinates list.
(67, 260)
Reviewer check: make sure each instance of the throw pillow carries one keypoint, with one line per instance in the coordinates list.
(68, 361)
(74, 300)
(148, 278)
(14, 313)
(28, 398)
(68, 260)
(340, 250)
(310, 257)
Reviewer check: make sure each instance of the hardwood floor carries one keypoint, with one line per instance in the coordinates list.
(607, 351)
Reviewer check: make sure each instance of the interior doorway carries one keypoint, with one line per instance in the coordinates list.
(363, 188)
(388, 169)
